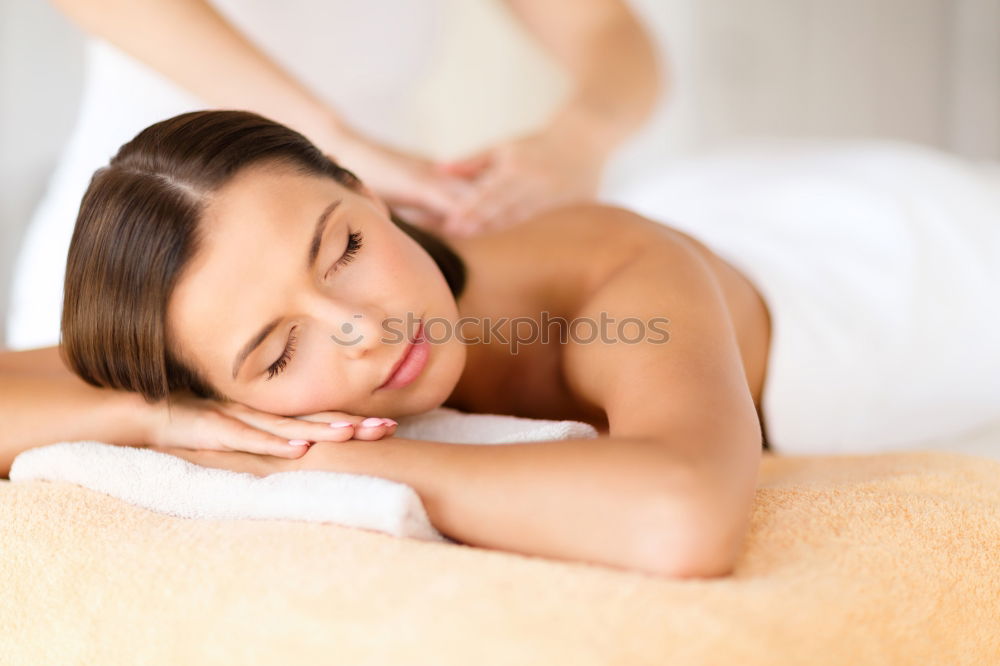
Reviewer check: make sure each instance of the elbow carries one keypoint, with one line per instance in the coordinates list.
(682, 541)
(696, 522)
(702, 565)
(685, 559)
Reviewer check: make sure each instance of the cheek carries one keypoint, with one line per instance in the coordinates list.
(405, 268)
(313, 383)
(401, 277)
(303, 393)
(302, 397)
(319, 394)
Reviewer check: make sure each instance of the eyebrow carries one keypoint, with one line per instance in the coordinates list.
(311, 257)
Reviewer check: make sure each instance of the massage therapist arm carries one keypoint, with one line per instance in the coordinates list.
(615, 79)
(196, 47)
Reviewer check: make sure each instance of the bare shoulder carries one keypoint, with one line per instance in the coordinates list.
(580, 244)
(606, 232)
(592, 225)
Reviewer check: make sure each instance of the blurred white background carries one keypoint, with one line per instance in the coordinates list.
(926, 71)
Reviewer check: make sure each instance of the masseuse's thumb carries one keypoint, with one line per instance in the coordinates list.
(468, 167)
(441, 196)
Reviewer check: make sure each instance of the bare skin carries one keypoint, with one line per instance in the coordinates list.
(678, 421)
(519, 264)
(535, 386)
(668, 486)
(601, 46)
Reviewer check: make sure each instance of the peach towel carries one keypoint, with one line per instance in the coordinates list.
(877, 559)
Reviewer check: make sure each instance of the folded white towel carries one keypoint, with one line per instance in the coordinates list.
(172, 485)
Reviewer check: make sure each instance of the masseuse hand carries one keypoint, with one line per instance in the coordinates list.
(197, 423)
(517, 179)
(413, 186)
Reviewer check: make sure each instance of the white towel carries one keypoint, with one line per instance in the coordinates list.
(168, 484)
(880, 265)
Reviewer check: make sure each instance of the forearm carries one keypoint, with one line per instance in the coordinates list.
(616, 75)
(620, 502)
(36, 410)
(190, 43)
(614, 92)
(42, 402)
(40, 361)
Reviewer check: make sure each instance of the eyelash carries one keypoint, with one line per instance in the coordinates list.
(286, 356)
(354, 242)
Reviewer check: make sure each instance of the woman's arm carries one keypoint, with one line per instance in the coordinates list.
(592, 500)
(41, 402)
(44, 360)
(668, 491)
(689, 393)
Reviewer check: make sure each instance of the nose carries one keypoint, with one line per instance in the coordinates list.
(357, 335)
(353, 328)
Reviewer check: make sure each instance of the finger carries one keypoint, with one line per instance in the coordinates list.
(329, 417)
(418, 216)
(333, 431)
(518, 212)
(494, 202)
(468, 167)
(358, 421)
(423, 192)
(468, 219)
(319, 426)
(374, 428)
(459, 189)
(339, 427)
(227, 433)
(439, 199)
(233, 434)
(341, 430)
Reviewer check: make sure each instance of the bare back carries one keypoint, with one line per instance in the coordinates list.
(551, 265)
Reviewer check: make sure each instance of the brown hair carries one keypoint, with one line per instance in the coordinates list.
(138, 227)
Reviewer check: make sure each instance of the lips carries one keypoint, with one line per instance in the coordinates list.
(412, 362)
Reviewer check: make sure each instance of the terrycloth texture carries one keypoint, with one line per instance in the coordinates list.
(882, 559)
(880, 265)
(171, 485)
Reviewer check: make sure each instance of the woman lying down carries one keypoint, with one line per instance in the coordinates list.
(235, 298)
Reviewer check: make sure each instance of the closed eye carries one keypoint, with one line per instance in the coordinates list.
(354, 242)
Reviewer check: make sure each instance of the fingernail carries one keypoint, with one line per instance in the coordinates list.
(371, 422)
(340, 424)
(389, 422)
(298, 442)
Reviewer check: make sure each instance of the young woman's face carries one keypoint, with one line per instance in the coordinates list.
(349, 315)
